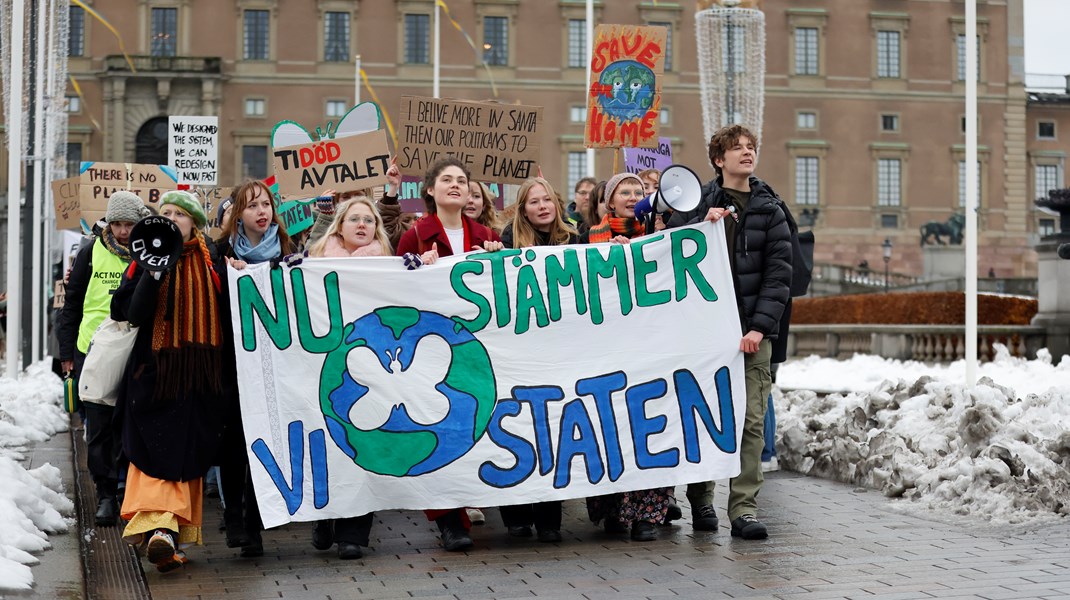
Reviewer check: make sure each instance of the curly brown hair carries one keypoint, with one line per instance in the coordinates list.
(723, 140)
(432, 174)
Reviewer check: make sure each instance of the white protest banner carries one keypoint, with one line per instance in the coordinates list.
(489, 379)
(193, 149)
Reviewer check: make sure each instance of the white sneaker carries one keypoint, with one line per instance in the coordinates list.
(476, 516)
(770, 465)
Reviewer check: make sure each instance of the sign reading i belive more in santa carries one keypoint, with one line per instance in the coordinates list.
(625, 95)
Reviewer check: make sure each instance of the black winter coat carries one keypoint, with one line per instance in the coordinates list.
(763, 254)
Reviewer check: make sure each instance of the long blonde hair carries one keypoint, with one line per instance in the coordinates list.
(335, 228)
(523, 233)
(488, 217)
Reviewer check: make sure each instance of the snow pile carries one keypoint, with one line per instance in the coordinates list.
(32, 502)
(990, 451)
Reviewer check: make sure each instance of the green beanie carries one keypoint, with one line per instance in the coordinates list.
(187, 202)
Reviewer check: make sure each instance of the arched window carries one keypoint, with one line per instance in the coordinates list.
(152, 142)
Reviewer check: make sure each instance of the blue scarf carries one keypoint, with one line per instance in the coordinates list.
(267, 249)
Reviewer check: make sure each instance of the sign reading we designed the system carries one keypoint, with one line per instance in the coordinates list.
(498, 142)
(345, 164)
(421, 391)
(193, 149)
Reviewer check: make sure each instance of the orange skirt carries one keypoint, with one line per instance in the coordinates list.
(152, 504)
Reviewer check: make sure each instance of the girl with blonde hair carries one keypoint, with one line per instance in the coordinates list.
(481, 206)
(357, 230)
(539, 219)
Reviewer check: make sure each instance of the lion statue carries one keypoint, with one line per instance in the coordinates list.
(932, 231)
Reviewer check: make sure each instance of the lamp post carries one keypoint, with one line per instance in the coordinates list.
(887, 247)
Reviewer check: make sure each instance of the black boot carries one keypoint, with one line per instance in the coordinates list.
(454, 535)
(323, 534)
(106, 512)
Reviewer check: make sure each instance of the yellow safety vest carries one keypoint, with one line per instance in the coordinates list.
(106, 274)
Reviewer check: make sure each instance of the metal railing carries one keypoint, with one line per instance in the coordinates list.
(169, 64)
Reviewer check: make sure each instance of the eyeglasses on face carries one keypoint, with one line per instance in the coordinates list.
(630, 193)
(361, 219)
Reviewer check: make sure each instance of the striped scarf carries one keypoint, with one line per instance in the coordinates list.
(187, 336)
(614, 226)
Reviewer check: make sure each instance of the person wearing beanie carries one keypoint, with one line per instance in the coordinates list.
(94, 277)
(172, 392)
(619, 224)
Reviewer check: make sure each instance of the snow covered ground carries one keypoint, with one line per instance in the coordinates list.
(999, 452)
(33, 503)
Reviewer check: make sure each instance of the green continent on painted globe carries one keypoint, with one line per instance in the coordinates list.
(627, 90)
(401, 446)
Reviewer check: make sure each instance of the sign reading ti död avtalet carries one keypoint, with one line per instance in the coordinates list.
(498, 142)
(625, 96)
(365, 386)
(193, 149)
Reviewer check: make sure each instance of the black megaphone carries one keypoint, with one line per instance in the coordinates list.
(156, 243)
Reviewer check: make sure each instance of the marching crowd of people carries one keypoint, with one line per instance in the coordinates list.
(149, 453)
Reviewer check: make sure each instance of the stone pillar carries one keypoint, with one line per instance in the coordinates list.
(115, 130)
(1053, 297)
(943, 262)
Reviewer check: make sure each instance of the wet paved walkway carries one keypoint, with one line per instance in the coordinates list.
(827, 540)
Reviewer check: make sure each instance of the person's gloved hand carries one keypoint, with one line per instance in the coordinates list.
(290, 260)
(412, 260)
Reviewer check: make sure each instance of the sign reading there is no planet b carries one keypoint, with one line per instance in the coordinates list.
(193, 149)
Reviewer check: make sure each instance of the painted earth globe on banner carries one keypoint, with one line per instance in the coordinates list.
(414, 429)
(627, 90)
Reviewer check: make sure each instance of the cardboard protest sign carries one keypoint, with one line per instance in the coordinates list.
(98, 181)
(498, 142)
(297, 215)
(193, 149)
(422, 390)
(641, 159)
(65, 199)
(625, 96)
(343, 164)
(411, 196)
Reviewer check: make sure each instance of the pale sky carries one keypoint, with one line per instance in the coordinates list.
(1047, 39)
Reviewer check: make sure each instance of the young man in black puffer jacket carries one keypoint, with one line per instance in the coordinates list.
(759, 250)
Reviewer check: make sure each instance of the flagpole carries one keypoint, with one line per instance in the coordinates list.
(14, 181)
(438, 57)
(589, 39)
(34, 227)
(971, 192)
(356, 88)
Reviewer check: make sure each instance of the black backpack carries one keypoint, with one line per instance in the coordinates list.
(802, 255)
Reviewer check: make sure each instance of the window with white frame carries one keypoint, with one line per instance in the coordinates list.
(664, 116)
(806, 120)
(961, 57)
(807, 170)
(577, 167)
(1046, 178)
(889, 181)
(74, 104)
(255, 28)
(577, 114)
(336, 108)
(962, 183)
(1046, 227)
(496, 41)
(74, 158)
(417, 39)
(577, 43)
(76, 24)
(888, 54)
(1046, 130)
(668, 42)
(164, 31)
(336, 37)
(806, 49)
(255, 107)
(889, 122)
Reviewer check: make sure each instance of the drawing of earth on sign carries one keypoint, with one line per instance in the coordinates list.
(407, 392)
(627, 90)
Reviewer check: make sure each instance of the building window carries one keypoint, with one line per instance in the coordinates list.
(889, 122)
(336, 108)
(74, 159)
(577, 43)
(888, 54)
(417, 39)
(961, 57)
(1046, 130)
(806, 120)
(74, 104)
(806, 179)
(664, 116)
(577, 114)
(254, 107)
(735, 47)
(962, 183)
(256, 35)
(806, 51)
(496, 41)
(254, 162)
(668, 42)
(577, 168)
(336, 37)
(1046, 178)
(889, 221)
(1046, 227)
(889, 171)
(164, 31)
(76, 41)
